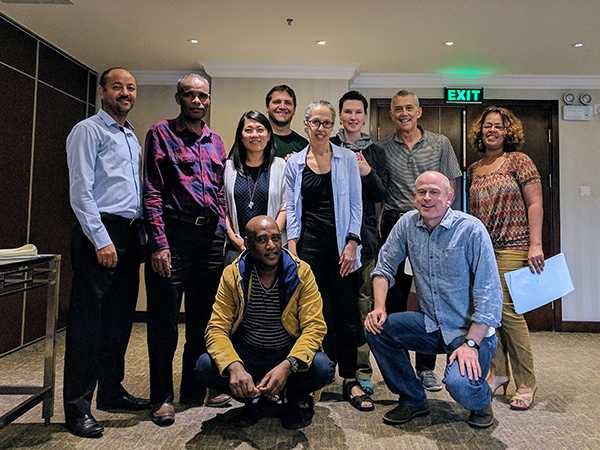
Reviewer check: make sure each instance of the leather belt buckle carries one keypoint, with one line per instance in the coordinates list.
(201, 220)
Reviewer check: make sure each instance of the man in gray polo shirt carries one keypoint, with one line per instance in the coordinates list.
(408, 153)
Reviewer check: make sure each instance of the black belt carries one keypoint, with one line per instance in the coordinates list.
(193, 220)
(114, 218)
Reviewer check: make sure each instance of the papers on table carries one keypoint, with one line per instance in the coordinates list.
(530, 290)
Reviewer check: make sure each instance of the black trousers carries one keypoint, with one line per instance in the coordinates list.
(197, 265)
(100, 315)
(397, 296)
(340, 307)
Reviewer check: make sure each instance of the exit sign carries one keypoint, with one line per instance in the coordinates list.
(463, 95)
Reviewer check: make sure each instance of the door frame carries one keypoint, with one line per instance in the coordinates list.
(377, 104)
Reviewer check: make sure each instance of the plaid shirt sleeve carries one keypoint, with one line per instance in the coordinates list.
(153, 187)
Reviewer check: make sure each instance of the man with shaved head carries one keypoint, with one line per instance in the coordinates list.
(266, 329)
(184, 208)
(459, 304)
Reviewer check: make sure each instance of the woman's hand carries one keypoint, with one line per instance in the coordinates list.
(535, 256)
(348, 258)
(238, 242)
(363, 166)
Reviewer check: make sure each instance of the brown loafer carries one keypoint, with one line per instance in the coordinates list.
(218, 401)
(164, 415)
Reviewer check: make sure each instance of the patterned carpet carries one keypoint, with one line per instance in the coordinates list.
(565, 416)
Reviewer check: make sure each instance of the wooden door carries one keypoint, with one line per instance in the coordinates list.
(540, 120)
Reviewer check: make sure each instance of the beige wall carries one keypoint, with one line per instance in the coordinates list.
(579, 159)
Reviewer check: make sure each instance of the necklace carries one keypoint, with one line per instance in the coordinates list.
(253, 190)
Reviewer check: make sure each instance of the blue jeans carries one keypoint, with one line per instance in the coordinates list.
(406, 331)
(319, 374)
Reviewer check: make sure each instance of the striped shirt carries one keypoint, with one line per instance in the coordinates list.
(432, 152)
(261, 327)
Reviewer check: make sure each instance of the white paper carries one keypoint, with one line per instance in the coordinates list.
(530, 290)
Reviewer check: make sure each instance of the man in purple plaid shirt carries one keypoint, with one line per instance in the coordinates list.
(184, 211)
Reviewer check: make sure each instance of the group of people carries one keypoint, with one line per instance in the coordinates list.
(290, 257)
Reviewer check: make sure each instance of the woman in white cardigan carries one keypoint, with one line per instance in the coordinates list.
(254, 180)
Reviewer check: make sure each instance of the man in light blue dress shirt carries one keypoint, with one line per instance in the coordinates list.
(104, 157)
(459, 304)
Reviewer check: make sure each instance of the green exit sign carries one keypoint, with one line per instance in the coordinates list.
(463, 95)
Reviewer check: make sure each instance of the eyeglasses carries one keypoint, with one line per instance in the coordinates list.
(489, 126)
(316, 123)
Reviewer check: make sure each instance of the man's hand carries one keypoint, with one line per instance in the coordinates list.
(375, 320)
(240, 381)
(274, 381)
(107, 256)
(363, 166)
(161, 262)
(468, 361)
(535, 256)
(348, 258)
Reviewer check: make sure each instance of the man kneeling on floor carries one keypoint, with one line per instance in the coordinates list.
(459, 304)
(266, 329)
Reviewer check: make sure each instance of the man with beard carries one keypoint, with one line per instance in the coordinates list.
(185, 208)
(281, 106)
(104, 158)
(408, 153)
(266, 330)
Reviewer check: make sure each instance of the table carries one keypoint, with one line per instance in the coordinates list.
(25, 274)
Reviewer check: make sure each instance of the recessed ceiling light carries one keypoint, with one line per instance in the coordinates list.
(449, 43)
(577, 44)
(193, 41)
(321, 42)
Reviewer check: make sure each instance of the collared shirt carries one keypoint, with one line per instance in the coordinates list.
(104, 173)
(183, 173)
(432, 152)
(347, 196)
(455, 271)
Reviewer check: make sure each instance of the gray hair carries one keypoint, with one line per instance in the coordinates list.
(405, 93)
(309, 109)
(189, 75)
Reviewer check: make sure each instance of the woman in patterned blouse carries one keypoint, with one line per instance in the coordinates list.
(505, 193)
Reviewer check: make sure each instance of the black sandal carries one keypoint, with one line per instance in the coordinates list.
(357, 400)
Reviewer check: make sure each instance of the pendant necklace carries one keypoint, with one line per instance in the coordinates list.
(253, 191)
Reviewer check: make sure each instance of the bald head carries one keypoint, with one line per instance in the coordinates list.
(433, 176)
(259, 223)
(263, 241)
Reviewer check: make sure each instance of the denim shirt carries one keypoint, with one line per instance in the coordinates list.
(104, 162)
(347, 196)
(454, 268)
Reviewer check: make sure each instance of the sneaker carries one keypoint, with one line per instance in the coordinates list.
(405, 413)
(298, 413)
(430, 381)
(482, 418)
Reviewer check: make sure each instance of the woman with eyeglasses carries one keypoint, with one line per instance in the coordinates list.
(254, 181)
(505, 192)
(324, 214)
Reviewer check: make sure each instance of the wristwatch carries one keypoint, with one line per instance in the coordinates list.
(353, 237)
(294, 364)
(471, 343)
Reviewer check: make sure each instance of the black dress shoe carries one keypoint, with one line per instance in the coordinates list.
(85, 426)
(124, 402)
(298, 413)
(405, 413)
(484, 418)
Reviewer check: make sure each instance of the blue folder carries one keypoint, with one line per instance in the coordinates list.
(531, 290)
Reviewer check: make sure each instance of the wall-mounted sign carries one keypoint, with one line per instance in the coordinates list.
(463, 95)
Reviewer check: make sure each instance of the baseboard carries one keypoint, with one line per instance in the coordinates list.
(580, 327)
(142, 317)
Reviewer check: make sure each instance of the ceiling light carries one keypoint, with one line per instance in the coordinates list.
(321, 42)
(193, 41)
(577, 44)
(449, 43)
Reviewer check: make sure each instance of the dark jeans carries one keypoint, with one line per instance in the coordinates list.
(257, 363)
(340, 308)
(197, 264)
(100, 315)
(397, 296)
(406, 331)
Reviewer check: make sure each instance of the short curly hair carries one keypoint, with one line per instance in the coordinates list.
(515, 135)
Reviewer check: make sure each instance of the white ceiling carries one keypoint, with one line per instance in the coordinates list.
(378, 36)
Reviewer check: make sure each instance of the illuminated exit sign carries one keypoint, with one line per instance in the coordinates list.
(463, 95)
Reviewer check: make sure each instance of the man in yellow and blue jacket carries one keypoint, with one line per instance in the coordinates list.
(266, 330)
